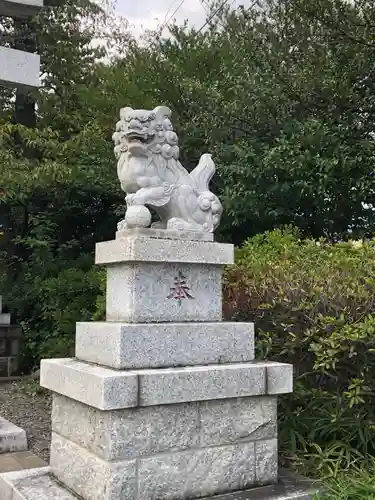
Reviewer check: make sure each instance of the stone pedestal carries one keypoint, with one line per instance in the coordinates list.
(163, 400)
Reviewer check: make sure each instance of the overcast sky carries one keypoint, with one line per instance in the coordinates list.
(149, 14)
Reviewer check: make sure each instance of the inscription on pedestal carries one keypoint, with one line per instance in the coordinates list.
(151, 292)
(180, 290)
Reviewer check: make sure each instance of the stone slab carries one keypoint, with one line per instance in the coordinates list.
(201, 383)
(108, 389)
(89, 476)
(20, 460)
(19, 68)
(39, 484)
(178, 475)
(196, 473)
(20, 8)
(4, 319)
(158, 345)
(93, 385)
(164, 292)
(12, 438)
(140, 432)
(165, 234)
(290, 486)
(140, 249)
(32, 484)
(279, 378)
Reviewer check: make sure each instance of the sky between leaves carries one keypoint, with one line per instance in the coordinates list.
(149, 14)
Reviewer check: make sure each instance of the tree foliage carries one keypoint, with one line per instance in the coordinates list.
(58, 190)
(282, 95)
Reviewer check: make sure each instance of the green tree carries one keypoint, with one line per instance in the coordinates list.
(282, 95)
(58, 191)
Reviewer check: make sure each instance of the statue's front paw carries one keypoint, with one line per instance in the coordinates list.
(122, 226)
(129, 199)
(134, 199)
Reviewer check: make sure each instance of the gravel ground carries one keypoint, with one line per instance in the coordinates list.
(25, 404)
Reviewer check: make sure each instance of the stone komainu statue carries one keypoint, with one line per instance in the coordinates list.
(150, 173)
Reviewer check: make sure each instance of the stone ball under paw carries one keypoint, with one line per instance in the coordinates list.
(137, 216)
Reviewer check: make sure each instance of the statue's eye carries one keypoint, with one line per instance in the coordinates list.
(152, 116)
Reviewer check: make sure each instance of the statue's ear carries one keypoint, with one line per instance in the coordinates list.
(162, 112)
(124, 112)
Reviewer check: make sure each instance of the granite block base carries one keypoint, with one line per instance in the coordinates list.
(168, 452)
(173, 475)
(40, 484)
(141, 432)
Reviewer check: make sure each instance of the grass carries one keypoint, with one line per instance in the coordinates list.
(358, 484)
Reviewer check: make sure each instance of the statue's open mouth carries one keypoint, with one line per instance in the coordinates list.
(137, 137)
(137, 143)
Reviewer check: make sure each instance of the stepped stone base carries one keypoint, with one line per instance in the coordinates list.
(163, 401)
(40, 484)
(165, 433)
(178, 451)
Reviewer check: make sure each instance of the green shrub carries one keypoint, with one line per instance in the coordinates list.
(313, 304)
(49, 307)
